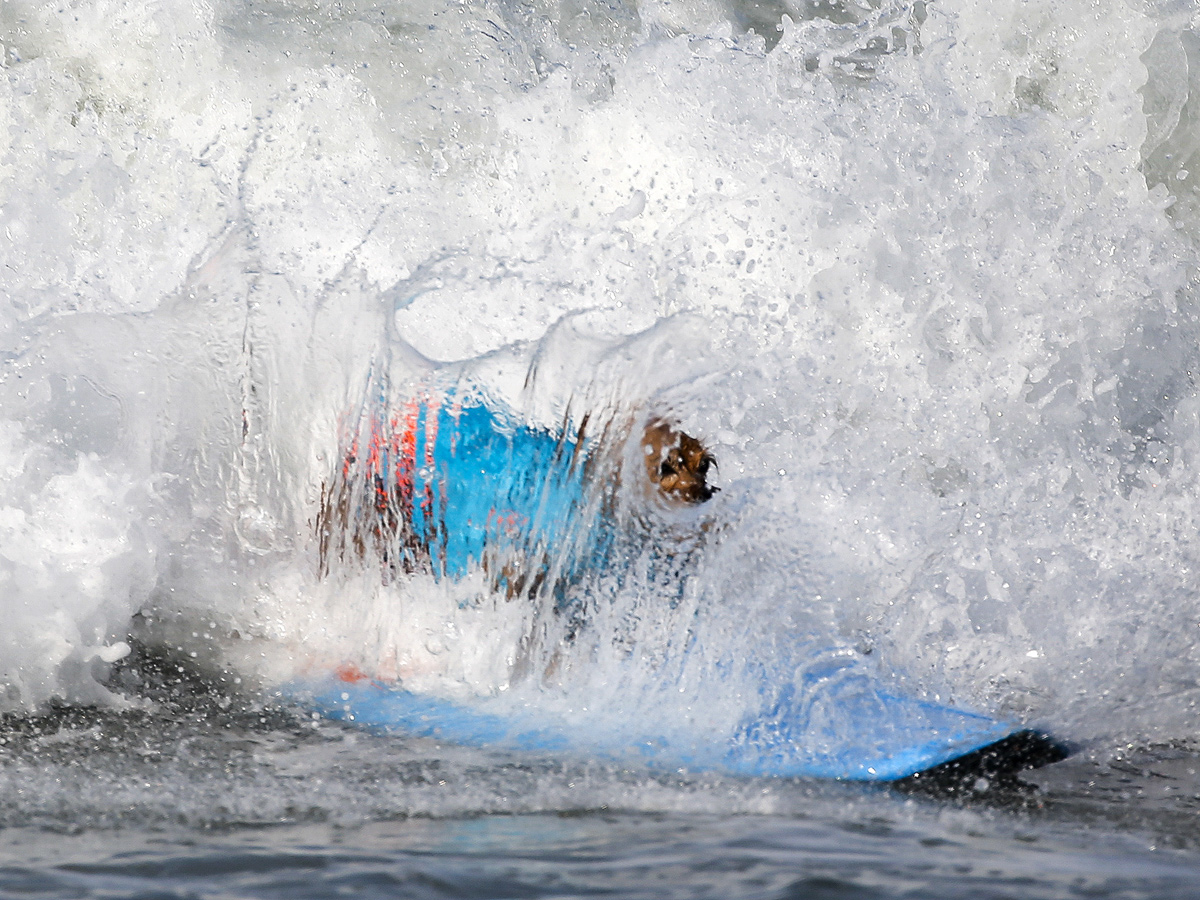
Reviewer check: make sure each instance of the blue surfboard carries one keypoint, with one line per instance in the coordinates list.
(877, 736)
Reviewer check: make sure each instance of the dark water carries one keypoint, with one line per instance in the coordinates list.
(597, 854)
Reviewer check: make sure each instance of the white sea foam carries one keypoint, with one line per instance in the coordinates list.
(922, 273)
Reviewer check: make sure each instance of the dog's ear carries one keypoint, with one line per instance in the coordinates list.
(676, 463)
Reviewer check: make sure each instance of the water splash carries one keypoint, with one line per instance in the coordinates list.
(922, 275)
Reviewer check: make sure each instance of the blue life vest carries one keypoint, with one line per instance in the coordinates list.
(447, 484)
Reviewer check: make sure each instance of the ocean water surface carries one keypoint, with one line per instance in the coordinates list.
(923, 276)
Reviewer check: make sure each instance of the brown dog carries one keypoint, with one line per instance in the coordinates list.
(677, 463)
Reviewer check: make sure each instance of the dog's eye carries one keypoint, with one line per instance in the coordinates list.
(666, 469)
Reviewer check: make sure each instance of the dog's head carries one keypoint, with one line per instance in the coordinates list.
(676, 463)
